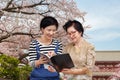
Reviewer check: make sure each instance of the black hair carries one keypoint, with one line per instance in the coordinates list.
(76, 24)
(48, 21)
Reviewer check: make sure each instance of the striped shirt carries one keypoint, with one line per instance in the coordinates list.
(43, 49)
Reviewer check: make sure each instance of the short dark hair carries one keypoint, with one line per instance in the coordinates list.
(76, 24)
(48, 21)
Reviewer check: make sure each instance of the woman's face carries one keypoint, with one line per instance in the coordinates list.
(49, 31)
(73, 34)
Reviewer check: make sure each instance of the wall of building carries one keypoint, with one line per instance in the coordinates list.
(107, 55)
(107, 64)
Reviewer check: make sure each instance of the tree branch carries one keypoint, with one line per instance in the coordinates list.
(28, 6)
(18, 9)
(13, 34)
(9, 3)
(29, 13)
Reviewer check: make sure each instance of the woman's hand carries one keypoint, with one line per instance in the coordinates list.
(42, 60)
(75, 71)
(51, 53)
(67, 71)
(51, 69)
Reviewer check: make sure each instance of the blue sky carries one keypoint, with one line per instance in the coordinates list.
(104, 18)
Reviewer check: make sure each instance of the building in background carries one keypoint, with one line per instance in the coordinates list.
(107, 65)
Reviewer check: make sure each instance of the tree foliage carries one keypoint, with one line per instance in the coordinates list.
(10, 69)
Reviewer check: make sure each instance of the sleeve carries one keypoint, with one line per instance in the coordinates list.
(32, 54)
(91, 57)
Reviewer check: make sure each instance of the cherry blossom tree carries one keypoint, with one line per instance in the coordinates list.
(19, 21)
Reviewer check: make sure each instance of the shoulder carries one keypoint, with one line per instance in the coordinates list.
(68, 47)
(34, 42)
(88, 44)
(55, 41)
(90, 48)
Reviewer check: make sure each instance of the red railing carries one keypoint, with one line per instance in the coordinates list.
(105, 69)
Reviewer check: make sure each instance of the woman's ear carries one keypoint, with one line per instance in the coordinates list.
(81, 34)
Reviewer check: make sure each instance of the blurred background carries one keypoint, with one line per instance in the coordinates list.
(20, 19)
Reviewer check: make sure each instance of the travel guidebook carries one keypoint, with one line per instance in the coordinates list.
(60, 61)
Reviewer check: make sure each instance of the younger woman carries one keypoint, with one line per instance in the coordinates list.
(44, 45)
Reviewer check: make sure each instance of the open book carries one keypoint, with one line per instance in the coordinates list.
(60, 61)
